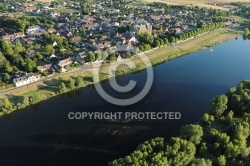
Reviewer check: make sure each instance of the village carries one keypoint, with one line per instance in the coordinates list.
(55, 41)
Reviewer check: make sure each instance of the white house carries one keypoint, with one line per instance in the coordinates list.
(24, 80)
(35, 30)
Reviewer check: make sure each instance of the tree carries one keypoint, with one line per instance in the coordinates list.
(246, 31)
(62, 88)
(6, 77)
(79, 81)
(127, 55)
(112, 57)
(7, 67)
(208, 118)
(203, 148)
(91, 57)
(192, 132)
(7, 104)
(172, 39)
(25, 101)
(201, 162)
(156, 43)
(71, 83)
(245, 152)
(18, 47)
(2, 60)
(49, 49)
(98, 56)
(218, 105)
(104, 55)
(39, 56)
(229, 117)
(222, 160)
(36, 98)
(165, 40)
(29, 64)
(7, 49)
(161, 42)
(136, 50)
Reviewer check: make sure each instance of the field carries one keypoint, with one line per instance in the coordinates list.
(199, 43)
(215, 4)
(67, 10)
(44, 0)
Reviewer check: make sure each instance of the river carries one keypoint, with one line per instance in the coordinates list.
(43, 135)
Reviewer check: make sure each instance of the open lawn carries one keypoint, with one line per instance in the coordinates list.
(44, 0)
(67, 10)
(193, 45)
(200, 3)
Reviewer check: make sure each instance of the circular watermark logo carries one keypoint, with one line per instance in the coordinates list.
(120, 51)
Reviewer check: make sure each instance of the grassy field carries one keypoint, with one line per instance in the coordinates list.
(44, 0)
(67, 10)
(193, 45)
(49, 87)
(200, 3)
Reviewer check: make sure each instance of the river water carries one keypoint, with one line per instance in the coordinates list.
(43, 135)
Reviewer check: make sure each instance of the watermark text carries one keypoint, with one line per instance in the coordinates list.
(125, 115)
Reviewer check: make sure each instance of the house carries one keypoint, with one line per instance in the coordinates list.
(12, 36)
(30, 40)
(8, 37)
(142, 27)
(27, 79)
(81, 57)
(31, 53)
(76, 39)
(121, 40)
(30, 8)
(51, 30)
(98, 52)
(33, 28)
(107, 44)
(16, 40)
(35, 31)
(131, 39)
(63, 63)
(44, 67)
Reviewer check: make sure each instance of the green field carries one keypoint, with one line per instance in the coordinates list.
(67, 10)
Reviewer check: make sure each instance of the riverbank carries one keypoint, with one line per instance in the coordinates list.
(193, 45)
(49, 87)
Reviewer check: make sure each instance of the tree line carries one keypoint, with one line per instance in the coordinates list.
(148, 42)
(221, 137)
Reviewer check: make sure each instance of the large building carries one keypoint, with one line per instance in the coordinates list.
(142, 27)
(24, 80)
